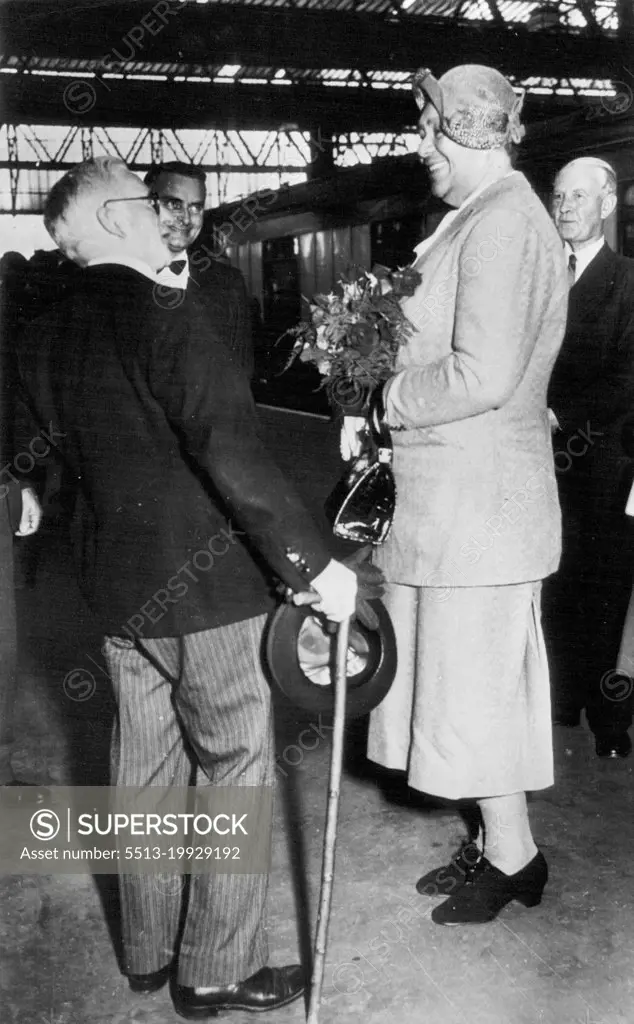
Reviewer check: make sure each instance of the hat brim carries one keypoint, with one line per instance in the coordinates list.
(365, 690)
(427, 90)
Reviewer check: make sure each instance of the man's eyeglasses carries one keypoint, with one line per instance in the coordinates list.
(152, 199)
(174, 205)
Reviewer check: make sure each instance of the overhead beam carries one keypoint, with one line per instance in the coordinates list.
(498, 18)
(256, 36)
(587, 9)
(625, 10)
(63, 165)
(32, 99)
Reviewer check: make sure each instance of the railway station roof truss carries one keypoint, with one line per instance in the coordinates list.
(253, 88)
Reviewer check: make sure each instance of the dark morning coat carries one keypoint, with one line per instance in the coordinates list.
(592, 395)
(222, 291)
(175, 487)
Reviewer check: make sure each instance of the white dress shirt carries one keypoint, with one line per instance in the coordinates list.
(168, 278)
(124, 261)
(585, 255)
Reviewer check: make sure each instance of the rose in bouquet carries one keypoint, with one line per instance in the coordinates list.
(353, 335)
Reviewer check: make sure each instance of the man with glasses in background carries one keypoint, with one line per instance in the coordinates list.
(159, 427)
(181, 189)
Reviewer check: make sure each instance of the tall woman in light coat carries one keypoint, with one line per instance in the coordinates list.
(477, 524)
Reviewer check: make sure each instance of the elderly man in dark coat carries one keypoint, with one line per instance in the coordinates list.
(178, 506)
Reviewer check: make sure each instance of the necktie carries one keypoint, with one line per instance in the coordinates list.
(178, 266)
(572, 267)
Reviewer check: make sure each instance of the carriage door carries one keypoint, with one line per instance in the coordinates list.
(393, 241)
(280, 285)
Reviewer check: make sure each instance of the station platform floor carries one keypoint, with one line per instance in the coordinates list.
(568, 961)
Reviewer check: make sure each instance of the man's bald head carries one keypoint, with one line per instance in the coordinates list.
(593, 166)
(584, 196)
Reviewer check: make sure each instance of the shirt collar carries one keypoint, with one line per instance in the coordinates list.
(585, 255)
(168, 277)
(125, 261)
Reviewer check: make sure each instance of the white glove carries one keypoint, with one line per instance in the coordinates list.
(350, 440)
(31, 513)
(337, 588)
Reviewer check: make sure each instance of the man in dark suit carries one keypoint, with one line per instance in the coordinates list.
(592, 395)
(178, 505)
(20, 515)
(181, 190)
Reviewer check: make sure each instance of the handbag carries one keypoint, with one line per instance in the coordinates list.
(361, 506)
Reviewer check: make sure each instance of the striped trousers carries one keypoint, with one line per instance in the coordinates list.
(193, 708)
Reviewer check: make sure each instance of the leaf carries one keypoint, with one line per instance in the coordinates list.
(360, 329)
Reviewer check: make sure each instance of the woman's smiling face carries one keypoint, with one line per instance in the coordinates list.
(454, 170)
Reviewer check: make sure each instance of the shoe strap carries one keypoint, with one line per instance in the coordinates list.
(469, 864)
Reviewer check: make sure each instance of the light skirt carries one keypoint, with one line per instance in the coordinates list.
(468, 714)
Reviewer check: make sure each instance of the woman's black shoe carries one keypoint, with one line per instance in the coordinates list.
(144, 984)
(487, 890)
(446, 879)
(267, 989)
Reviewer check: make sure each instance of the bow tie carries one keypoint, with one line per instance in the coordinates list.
(178, 266)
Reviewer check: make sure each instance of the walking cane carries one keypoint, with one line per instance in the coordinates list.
(330, 837)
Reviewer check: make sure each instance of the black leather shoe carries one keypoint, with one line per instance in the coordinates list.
(24, 794)
(446, 879)
(267, 989)
(617, 745)
(144, 984)
(487, 890)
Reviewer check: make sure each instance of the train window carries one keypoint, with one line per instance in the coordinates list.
(281, 248)
(628, 239)
(280, 284)
(392, 241)
(627, 222)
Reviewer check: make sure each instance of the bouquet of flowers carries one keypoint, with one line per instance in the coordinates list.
(353, 337)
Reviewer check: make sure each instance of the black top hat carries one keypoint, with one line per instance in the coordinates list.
(300, 653)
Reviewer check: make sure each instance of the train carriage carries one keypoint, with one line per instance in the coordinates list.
(296, 242)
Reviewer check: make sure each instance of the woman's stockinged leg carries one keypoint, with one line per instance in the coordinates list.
(508, 840)
(512, 868)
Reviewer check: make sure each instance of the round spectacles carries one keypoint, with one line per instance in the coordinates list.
(174, 205)
(152, 199)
